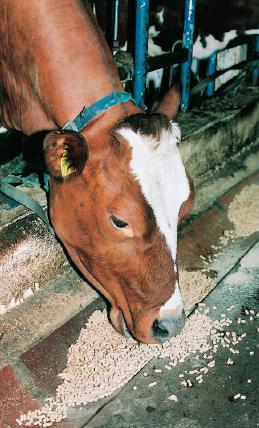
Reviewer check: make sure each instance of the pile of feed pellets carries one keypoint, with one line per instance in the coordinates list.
(102, 361)
(195, 286)
(243, 211)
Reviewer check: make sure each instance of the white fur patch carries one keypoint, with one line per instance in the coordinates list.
(254, 31)
(155, 77)
(158, 167)
(160, 16)
(153, 49)
(173, 306)
(211, 44)
(152, 32)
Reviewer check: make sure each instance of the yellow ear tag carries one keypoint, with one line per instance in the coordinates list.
(66, 167)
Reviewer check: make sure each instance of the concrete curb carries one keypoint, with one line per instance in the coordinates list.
(39, 316)
(214, 145)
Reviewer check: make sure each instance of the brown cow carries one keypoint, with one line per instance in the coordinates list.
(118, 188)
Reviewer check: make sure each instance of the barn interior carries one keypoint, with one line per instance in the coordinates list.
(46, 305)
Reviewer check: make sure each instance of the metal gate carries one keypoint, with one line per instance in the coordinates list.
(183, 57)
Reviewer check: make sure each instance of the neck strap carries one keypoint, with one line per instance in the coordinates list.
(88, 113)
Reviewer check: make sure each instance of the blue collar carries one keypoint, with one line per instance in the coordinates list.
(88, 113)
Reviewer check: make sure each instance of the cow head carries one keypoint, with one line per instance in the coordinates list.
(117, 210)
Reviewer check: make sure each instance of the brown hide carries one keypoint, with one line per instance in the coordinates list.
(50, 51)
(54, 61)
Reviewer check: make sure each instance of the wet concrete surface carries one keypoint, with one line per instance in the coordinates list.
(32, 376)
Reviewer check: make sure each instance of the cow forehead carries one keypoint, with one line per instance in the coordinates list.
(158, 167)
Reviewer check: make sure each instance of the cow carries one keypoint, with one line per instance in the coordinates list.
(118, 186)
(217, 23)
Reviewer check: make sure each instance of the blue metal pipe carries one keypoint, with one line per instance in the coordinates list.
(211, 68)
(188, 30)
(255, 72)
(141, 48)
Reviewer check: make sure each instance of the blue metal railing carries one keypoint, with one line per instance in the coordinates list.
(183, 57)
(188, 30)
(141, 51)
(211, 68)
(253, 43)
(141, 62)
(141, 46)
(255, 72)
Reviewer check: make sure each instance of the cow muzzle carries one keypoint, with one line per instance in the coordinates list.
(149, 327)
(165, 328)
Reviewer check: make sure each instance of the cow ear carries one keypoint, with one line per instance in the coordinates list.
(170, 103)
(66, 153)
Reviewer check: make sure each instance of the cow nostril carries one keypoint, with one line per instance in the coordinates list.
(164, 329)
(159, 330)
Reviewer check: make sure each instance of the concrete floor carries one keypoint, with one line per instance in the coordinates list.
(210, 404)
(27, 379)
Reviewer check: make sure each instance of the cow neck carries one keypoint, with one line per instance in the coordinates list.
(88, 113)
(101, 126)
(68, 63)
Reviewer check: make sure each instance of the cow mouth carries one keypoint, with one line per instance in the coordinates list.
(118, 321)
(125, 330)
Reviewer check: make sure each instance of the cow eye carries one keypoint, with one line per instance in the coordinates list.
(118, 222)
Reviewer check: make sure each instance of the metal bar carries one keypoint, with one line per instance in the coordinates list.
(247, 65)
(141, 48)
(165, 60)
(255, 72)
(211, 68)
(239, 40)
(173, 68)
(187, 43)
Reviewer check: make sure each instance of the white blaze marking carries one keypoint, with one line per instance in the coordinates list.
(158, 167)
(173, 306)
